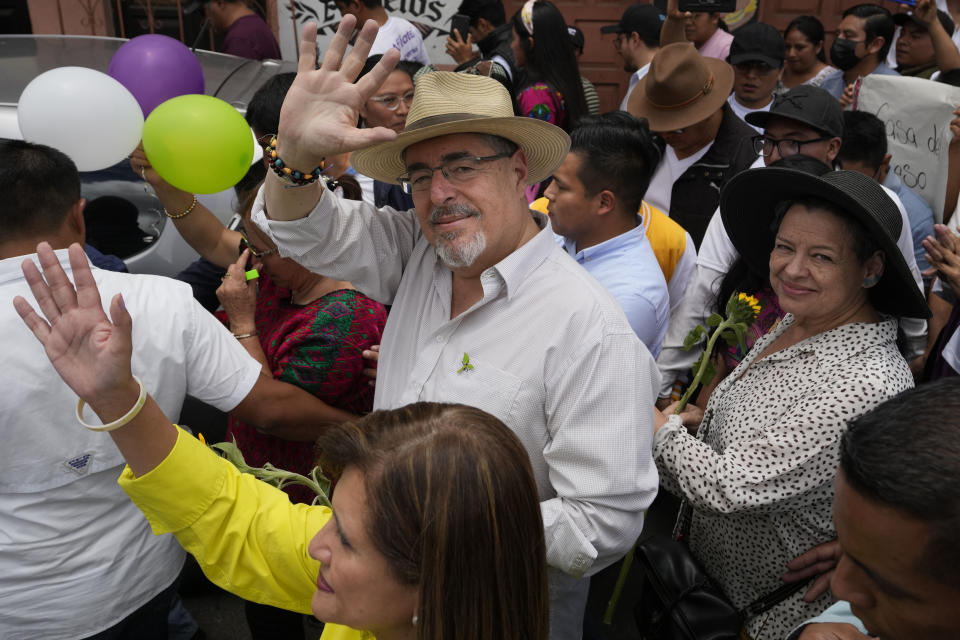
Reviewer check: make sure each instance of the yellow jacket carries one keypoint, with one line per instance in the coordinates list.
(246, 535)
(667, 238)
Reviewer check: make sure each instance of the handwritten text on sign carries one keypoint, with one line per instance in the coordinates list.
(431, 17)
(917, 114)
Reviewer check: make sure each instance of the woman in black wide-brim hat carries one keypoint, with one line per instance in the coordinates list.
(758, 475)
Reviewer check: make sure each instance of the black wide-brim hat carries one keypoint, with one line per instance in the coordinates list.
(748, 202)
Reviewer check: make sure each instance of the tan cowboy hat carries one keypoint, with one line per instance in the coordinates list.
(446, 102)
(681, 88)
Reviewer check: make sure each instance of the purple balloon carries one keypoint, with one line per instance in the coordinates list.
(155, 68)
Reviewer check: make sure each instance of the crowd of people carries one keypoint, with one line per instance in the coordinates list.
(473, 301)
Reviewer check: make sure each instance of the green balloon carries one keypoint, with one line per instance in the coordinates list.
(198, 143)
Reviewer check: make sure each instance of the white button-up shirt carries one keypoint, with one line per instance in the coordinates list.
(634, 79)
(550, 353)
(76, 556)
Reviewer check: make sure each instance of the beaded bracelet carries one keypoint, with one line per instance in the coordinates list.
(119, 422)
(176, 216)
(292, 176)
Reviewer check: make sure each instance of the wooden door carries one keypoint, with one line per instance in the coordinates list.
(600, 62)
(779, 13)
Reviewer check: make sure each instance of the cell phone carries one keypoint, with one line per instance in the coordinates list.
(714, 6)
(461, 24)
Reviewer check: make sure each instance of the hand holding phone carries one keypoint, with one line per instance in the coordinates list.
(459, 44)
(460, 24)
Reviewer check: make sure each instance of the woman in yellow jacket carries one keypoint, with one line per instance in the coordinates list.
(435, 531)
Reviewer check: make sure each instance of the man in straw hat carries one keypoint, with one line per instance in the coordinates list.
(487, 309)
(684, 99)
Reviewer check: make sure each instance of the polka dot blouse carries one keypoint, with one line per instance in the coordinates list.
(759, 476)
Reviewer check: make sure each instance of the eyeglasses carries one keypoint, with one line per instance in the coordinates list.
(456, 170)
(764, 145)
(618, 41)
(392, 101)
(256, 253)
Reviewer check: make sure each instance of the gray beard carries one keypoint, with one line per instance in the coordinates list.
(462, 254)
(453, 254)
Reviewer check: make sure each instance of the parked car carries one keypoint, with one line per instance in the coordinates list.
(234, 80)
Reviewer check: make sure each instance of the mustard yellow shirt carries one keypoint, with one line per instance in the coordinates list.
(246, 535)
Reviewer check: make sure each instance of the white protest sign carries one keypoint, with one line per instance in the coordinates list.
(917, 114)
(431, 17)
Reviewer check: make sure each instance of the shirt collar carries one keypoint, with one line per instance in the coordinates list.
(10, 269)
(892, 182)
(714, 40)
(840, 343)
(515, 268)
(630, 238)
(915, 70)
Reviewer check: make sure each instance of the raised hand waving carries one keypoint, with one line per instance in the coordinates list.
(319, 114)
(91, 353)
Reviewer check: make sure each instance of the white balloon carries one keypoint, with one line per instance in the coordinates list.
(82, 112)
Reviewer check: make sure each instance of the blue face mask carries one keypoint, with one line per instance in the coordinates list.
(842, 54)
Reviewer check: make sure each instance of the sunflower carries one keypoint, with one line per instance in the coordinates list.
(743, 307)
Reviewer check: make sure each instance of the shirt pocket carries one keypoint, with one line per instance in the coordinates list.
(480, 384)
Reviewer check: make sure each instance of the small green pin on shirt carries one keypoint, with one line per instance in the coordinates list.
(466, 364)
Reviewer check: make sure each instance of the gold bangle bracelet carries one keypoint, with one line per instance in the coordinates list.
(241, 336)
(175, 216)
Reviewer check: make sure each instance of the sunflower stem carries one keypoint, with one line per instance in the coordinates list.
(704, 363)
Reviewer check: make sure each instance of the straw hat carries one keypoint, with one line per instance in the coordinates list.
(447, 102)
(748, 201)
(681, 88)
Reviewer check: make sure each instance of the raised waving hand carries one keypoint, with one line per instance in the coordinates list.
(319, 114)
(91, 353)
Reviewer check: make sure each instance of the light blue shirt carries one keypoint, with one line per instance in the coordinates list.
(627, 267)
(839, 612)
(918, 212)
(834, 83)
